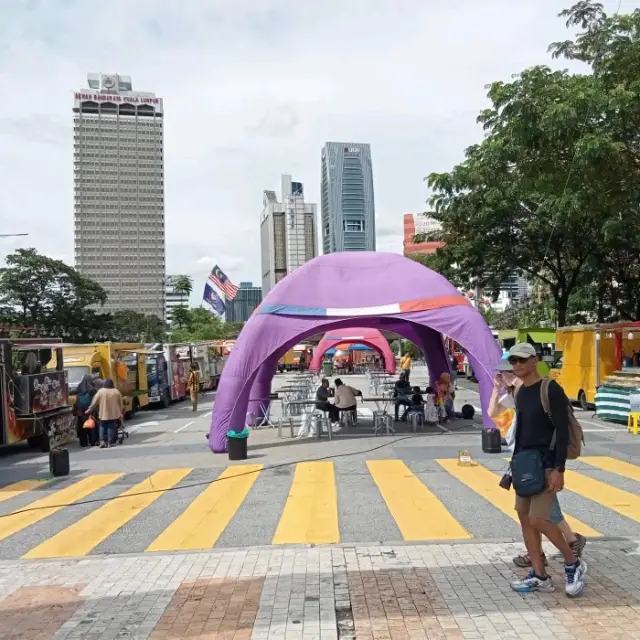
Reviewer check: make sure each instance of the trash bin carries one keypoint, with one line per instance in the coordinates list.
(491, 441)
(237, 444)
(327, 368)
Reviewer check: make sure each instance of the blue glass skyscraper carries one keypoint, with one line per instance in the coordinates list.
(348, 210)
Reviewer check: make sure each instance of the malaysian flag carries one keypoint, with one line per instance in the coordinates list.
(213, 300)
(220, 280)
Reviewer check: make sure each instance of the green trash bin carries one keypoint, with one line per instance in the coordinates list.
(327, 368)
(237, 444)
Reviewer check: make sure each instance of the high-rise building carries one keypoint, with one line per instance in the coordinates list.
(172, 298)
(287, 232)
(348, 210)
(244, 304)
(419, 230)
(119, 192)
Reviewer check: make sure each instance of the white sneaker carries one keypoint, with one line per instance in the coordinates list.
(574, 576)
(533, 583)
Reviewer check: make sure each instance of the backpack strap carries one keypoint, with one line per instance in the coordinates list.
(544, 397)
(546, 405)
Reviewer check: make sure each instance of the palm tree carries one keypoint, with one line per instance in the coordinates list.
(184, 286)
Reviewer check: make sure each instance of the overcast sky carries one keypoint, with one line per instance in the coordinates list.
(252, 89)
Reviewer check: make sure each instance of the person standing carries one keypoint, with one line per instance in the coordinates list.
(84, 395)
(108, 401)
(193, 386)
(540, 453)
(405, 365)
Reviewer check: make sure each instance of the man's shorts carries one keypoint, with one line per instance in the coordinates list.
(538, 506)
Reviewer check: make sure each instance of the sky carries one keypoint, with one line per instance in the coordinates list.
(251, 90)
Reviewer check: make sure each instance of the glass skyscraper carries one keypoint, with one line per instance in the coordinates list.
(348, 210)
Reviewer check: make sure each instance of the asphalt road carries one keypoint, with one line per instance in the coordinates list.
(355, 488)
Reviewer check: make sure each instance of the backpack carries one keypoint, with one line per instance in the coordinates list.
(83, 401)
(576, 436)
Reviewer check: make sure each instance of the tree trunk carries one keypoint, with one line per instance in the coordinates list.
(562, 304)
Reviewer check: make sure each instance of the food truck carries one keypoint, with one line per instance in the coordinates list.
(125, 363)
(586, 355)
(543, 341)
(34, 403)
(171, 371)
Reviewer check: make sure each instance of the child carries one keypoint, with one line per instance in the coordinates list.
(431, 408)
(417, 403)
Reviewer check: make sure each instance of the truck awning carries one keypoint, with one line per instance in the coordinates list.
(144, 352)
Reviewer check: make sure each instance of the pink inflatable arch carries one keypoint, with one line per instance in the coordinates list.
(362, 335)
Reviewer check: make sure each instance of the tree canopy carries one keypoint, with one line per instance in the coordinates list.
(45, 297)
(553, 188)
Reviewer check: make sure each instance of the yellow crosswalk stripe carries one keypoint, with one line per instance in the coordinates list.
(18, 488)
(43, 508)
(613, 465)
(622, 502)
(311, 512)
(485, 483)
(204, 520)
(88, 532)
(418, 513)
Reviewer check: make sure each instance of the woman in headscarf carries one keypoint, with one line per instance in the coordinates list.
(84, 395)
(445, 393)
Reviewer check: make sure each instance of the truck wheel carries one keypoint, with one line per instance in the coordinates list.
(34, 442)
(166, 399)
(582, 401)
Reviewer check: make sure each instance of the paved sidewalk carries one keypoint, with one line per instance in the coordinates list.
(442, 591)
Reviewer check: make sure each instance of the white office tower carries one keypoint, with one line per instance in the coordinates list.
(287, 232)
(119, 192)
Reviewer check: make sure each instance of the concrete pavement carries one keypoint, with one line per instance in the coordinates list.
(138, 535)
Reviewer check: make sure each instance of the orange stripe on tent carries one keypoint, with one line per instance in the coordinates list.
(426, 304)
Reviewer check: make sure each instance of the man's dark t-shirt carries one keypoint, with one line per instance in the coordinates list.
(322, 395)
(534, 430)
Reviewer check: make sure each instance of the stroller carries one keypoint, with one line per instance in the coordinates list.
(121, 432)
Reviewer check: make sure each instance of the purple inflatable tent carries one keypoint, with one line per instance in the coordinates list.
(368, 289)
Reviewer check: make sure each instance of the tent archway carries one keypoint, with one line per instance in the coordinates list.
(385, 291)
(361, 335)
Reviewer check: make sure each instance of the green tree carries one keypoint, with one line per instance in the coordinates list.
(131, 326)
(555, 180)
(48, 295)
(183, 285)
(611, 46)
(180, 317)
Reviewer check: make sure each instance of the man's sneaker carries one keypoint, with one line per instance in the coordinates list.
(524, 561)
(574, 575)
(533, 583)
(578, 545)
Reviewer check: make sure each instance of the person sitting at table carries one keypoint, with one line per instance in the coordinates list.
(417, 403)
(322, 401)
(346, 398)
(401, 391)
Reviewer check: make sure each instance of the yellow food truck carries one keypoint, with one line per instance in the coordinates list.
(587, 354)
(125, 363)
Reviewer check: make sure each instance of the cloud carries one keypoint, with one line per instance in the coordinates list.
(252, 90)
(276, 122)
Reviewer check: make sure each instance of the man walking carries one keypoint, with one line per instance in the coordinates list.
(540, 453)
(193, 386)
